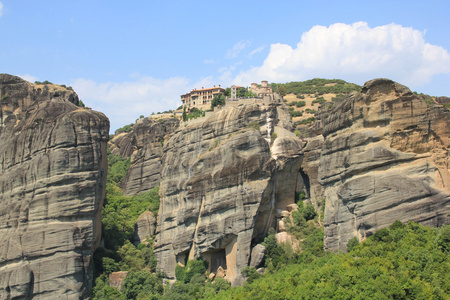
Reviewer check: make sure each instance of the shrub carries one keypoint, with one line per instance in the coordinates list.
(250, 273)
(186, 273)
(254, 124)
(320, 100)
(273, 137)
(300, 103)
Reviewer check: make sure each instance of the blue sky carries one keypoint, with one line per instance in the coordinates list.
(132, 58)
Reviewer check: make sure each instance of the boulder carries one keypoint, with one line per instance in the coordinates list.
(116, 279)
(257, 256)
(144, 228)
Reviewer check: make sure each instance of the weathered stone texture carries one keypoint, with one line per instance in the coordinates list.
(145, 227)
(52, 176)
(384, 157)
(144, 146)
(217, 189)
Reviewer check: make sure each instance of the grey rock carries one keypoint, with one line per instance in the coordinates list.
(144, 228)
(218, 189)
(384, 157)
(257, 255)
(52, 183)
(144, 146)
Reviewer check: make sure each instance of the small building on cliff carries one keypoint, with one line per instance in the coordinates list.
(201, 98)
(263, 90)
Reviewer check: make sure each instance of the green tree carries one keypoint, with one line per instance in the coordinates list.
(352, 243)
(184, 114)
(141, 283)
(219, 99)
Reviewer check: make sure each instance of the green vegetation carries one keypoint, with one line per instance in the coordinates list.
(43, 82)
(273, 137)
(194, 114)
(404, 261)
(254, 124)
(193, 267)
(320, 100)
(317, 86)
(119, 215)
(218, 100)
(295, 113)
(297, 103)
(126, 128)
(428, 101)
(446, 105)
(120, 212)
(184, 116)
(245, 93)
(306, 121)
(5, 97)
(338, 97)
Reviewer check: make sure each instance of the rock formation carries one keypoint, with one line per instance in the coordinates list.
(144, 146)
(52, 177)
(218, 188)
(144, 228)
(382, 156)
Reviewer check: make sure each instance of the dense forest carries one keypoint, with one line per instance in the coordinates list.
(404, 261)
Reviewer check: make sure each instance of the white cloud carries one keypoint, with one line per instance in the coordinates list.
(259, 49)
(1, 9)
(123, 102)
(354, 52)
(237, 48)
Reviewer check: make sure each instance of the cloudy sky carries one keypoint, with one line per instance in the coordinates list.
(132, 58)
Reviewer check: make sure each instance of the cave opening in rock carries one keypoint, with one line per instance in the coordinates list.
(303, 185)
(182, 258)
(216, 259)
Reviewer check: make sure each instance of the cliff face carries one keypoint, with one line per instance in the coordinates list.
(52, 177)
(144, 146)
(383, 157)
(218, 189)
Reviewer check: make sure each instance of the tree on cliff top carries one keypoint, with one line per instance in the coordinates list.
(219, 99)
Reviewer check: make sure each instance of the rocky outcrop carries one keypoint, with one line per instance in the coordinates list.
(52, 182)
(144, 228)
(383, 157)
(144, 146)
(218, 188)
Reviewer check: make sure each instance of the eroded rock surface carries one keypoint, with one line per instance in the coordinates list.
(383, 157)
(144, 146)
(52, 177)
(144, 228)
(218, 189)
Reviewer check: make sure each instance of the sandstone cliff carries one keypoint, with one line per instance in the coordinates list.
(52, 177)
(382, 156)
(144, 146)
(218, 187)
